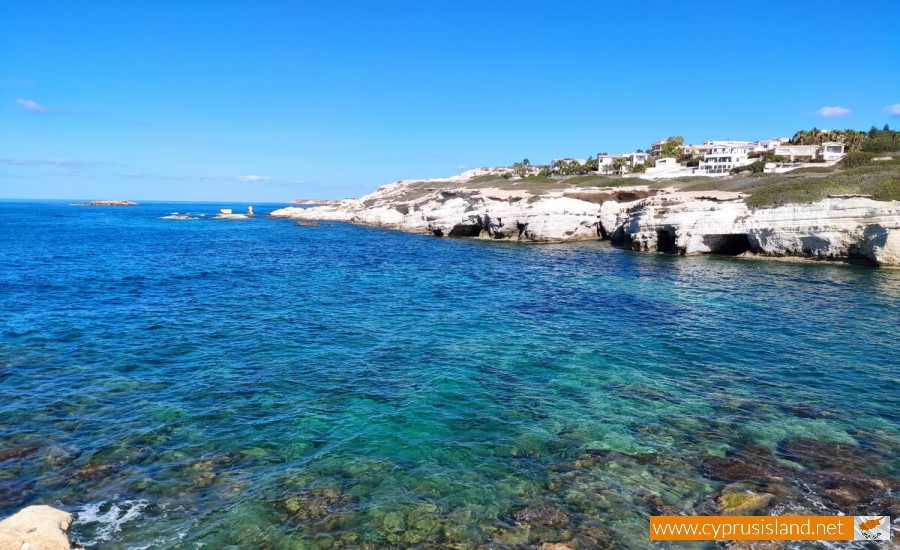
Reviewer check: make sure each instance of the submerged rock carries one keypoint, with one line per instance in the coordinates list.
(90, 471)
(36, 528)
(549, 516)
(743, 502)
(736, 469)
(820, 454)
(320, 508)
(854, 493)
(7, 453)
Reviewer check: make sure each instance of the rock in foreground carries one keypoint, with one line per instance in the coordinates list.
(37, 528)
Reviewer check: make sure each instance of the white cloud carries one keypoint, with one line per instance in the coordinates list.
(834, 111)
(893, 109)
(253, 178)
(44, 162)
(33, 106)
(16, 81)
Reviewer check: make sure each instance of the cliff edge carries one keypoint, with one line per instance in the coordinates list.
(640, 218)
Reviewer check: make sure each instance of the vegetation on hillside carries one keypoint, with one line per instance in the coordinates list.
(873, 141)
(881, 180)
(857, 173)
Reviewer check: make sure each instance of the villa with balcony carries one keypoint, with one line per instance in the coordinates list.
(724, 156)
(831, 151)
(605, 162)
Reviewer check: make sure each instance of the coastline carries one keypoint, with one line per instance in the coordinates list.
(853, 229)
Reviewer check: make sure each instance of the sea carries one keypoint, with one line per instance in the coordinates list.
(207, 383)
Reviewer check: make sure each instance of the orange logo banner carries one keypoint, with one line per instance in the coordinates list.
(751, 528)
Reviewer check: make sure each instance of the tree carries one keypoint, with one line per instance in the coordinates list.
(670, 148)
(886, 128)
(618, 164)
(852, 139)
(521, 168)
(639, 168)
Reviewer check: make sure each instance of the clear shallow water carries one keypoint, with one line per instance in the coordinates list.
(256, 384)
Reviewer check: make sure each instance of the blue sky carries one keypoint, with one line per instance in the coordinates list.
(273, 100)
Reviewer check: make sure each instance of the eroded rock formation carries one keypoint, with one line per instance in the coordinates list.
(636, 218)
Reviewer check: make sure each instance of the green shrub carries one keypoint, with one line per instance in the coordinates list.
(887, 190)
(813, 170)
(797, 192)
(881, 144)
(757, 167)
(854, 159)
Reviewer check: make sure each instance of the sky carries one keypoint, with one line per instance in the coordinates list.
(273, 100)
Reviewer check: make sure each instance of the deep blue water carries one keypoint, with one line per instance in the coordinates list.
(257, 384)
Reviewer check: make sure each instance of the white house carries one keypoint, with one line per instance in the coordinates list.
(830, 151)
(694, 150)
(636, 158)
(656, 148)
(605, 162)
(723, 156)
(767, 145)
(666, 168)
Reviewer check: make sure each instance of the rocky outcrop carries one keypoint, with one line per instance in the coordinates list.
(485, 213)
(109, 203)
(36, 528)
(721, 223)
(637, 218)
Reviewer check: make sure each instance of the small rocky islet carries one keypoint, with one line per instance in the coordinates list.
(109, 203)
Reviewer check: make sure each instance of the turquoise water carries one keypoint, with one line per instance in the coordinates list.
(256, 384)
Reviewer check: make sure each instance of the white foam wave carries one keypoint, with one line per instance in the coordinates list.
(108, 517)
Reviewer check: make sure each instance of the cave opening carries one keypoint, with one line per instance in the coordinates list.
(465, 230)
(665, 241)
(728, 245)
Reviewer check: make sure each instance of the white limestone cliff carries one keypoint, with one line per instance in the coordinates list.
(636, 218)
(719, 222)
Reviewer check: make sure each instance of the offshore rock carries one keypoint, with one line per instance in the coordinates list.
(109, 203)
(36, 528)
